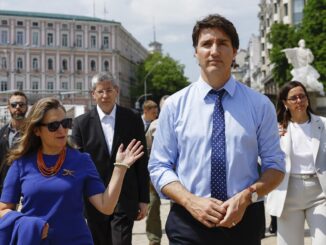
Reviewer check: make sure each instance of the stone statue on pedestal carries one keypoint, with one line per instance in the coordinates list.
(301, 58)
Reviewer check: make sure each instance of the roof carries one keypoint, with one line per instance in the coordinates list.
(54, 16)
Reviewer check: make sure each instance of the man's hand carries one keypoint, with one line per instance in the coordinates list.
(142, 211)
(208, 211)
(235, 209)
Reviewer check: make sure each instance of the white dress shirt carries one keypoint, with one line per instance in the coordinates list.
(108, 124)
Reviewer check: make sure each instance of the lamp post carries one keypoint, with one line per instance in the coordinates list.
(145, 80)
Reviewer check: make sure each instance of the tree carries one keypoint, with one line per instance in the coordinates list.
(281, 36)
(167, 77)
(313, 31)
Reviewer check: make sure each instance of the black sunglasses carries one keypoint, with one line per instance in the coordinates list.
(53, 126)
(15, 104)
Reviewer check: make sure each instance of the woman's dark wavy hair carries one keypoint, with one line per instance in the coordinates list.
(283, 115)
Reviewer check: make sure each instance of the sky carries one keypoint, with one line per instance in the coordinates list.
(173, 20)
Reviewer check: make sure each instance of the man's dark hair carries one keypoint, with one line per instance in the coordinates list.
(215, 21)
(18, 93)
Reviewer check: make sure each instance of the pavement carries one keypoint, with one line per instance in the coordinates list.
(139, 233)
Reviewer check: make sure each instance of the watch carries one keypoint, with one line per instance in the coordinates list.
(253, 194)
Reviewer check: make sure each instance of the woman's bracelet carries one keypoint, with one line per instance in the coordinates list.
(121, 164)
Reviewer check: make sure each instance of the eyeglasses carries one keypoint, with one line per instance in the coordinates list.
(294, 98)
(54, 126)
(104, 91)
(15, 104)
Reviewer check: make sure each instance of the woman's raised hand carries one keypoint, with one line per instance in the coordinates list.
(131, 154)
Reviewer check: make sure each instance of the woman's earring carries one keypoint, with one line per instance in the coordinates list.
(286, 108)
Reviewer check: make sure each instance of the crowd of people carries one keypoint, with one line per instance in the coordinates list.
(217, 150)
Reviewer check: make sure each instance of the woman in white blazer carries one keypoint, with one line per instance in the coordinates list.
(302, 193)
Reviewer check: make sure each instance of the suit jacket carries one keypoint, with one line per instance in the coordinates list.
(88, 134)
(276, 199)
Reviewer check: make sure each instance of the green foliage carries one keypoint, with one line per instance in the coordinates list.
(313, 31)
(281, 36)
(167, 77)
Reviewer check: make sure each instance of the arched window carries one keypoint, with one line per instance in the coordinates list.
(64, 64)
(50, 64)
(19, 63)
(106, 65)
(35, 63)
(3, 63)
(79, 65)
(93, 65)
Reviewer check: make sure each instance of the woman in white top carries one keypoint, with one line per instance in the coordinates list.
(301, 195)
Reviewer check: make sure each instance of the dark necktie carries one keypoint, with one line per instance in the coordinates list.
(218, 159)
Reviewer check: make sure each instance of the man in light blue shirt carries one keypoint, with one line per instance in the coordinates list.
(180, 162)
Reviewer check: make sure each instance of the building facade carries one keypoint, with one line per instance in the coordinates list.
(46, 54)
(275, 11)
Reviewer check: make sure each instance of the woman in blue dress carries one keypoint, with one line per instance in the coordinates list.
(52, 177)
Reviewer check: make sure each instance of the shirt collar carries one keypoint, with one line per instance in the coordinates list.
(103, 115)
(204, 87)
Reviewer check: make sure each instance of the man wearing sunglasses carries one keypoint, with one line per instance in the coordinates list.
(100, 132)
(9, 133)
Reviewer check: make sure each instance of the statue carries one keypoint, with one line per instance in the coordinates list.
(300, 58)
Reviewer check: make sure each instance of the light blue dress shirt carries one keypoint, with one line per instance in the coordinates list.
(182, 144)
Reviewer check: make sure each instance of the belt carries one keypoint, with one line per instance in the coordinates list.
(303, 176)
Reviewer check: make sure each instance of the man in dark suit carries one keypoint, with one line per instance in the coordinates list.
(100, 132)
(9, 133)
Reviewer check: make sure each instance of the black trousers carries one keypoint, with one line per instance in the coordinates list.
(183, 229)
(116, 230)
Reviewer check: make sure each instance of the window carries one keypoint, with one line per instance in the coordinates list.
(64, 26)
(78, 27)
(105, 42)
(50, 64)
(3, 63)
(286, 9)
(50, 85)
(19, 85)
(64, 40)
(4, 36)
(19, 38)
(4, 86)
(79, 65)
(35, 85)
(106, 65)
(50, 39)
(20, 23)
(64, 85)
(93, 28)
(93, 65)
(35, 24)
(93, 41)
(275, 8)
(79, 41)
(64, 64)
(19, 63)
(50, 25)
(35, 63)
(4, 22)
(79, 85)
(35, 38)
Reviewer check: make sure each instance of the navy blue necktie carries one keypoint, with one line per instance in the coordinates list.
(218, 159)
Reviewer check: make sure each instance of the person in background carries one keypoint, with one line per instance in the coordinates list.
(10, 133)
(53, 177)
(150, 112)
(99, 132)
(153, 221)
(301, 196)
(206, 147)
